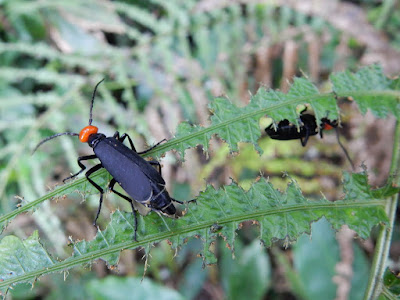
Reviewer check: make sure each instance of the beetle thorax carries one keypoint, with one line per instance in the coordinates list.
(95, 138)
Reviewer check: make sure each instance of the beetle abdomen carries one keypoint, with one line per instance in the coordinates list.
(125, 171)
(134, 174)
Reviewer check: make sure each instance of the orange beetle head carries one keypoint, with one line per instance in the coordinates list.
(86, 132)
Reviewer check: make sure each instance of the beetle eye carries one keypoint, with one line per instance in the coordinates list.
(86, 132)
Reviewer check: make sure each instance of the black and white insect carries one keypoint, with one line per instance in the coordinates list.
(308, 126)
(137, 176)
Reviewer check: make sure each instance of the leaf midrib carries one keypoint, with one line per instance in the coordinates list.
(75, 261)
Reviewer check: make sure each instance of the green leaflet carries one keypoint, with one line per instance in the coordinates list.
(19, 258)
(370, 88)
(235, 124)
(280, 215)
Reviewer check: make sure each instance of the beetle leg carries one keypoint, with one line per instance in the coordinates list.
(87, 174)
(162, 191)
(166, 206)
(83, 167)
(155, 163)
(111, 188)
(152, 147)
(123, 137)
(305, 140)
(183, 202)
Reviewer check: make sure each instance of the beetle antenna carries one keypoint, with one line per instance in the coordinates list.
(344, 149)
(91, 105)
(52, 137)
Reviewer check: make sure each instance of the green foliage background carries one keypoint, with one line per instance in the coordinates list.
(204, 75)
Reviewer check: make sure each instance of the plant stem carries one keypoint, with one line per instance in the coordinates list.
(374, 287)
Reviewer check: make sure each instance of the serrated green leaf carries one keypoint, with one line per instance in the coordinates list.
(18, 258)
(280, 215)
(240, 124)
(370, 88)
(243, 131)
(190, 136)
(302, 91)
(356, 185)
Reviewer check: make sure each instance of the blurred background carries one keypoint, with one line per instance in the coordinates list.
(164, 61)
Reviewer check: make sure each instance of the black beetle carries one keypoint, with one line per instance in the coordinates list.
(308, 127)
(140, 180)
